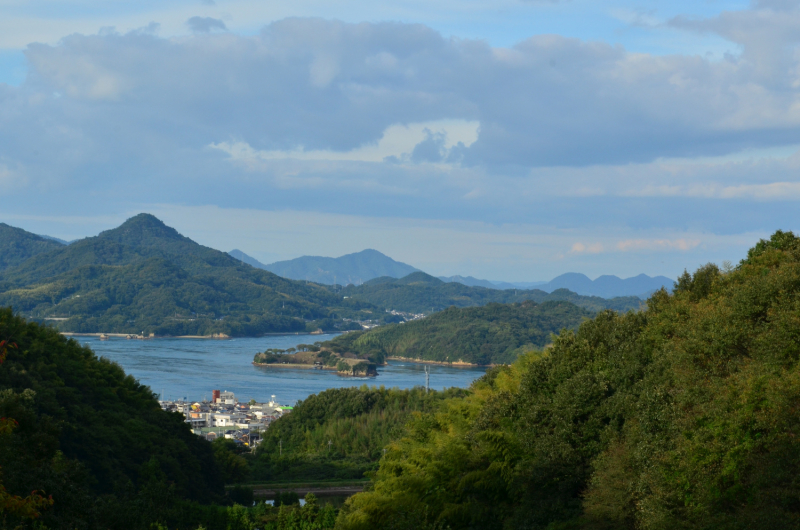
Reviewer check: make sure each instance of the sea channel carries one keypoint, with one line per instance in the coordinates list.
(180, 368)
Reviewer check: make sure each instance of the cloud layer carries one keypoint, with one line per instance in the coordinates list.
(391, 120)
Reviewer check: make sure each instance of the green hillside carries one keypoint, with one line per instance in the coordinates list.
(422, 293)
(144, 276)
(17, 245)
(94, 439)
(491, 334)
(682, 416)
(358, 423)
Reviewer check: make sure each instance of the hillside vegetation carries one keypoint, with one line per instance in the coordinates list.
(94, 440)
(85, 446)
(145, 276)
(682, 416)
(422, 293)
(17, 245)
(359, 423)
(491, 334)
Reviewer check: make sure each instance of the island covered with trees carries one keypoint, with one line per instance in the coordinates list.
(485, 335)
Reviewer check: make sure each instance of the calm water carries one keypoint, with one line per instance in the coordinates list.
(192, 368)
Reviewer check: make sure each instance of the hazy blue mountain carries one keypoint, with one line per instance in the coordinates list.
(605, 286)
(354, 268)
(422, 293)
(244, 258)
(489, 284)
(520, 285)
(56, 239)
(472, 282)
(17, 245)
(608, 286)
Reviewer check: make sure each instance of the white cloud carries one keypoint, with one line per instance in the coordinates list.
(396, 141)
(396, 121)
(581, 248)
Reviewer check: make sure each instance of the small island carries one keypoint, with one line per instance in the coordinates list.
(313, 356)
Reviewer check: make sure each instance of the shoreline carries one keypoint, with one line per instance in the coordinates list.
(311, 367)
(294, 365)
(456, 364)
(214, 337)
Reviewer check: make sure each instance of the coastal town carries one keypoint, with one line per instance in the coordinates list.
(224, 416)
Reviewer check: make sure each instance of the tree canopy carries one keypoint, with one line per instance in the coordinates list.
(681, 416)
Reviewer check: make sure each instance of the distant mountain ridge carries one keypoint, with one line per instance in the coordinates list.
(608, 286)
(145, 277)
(370, 265)
(355, 268)
(422, 293)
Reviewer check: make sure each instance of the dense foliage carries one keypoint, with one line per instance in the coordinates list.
(422, 293)
(17, 245)
(358, 423)
(93, 438)
(491, 334)
(682, 416)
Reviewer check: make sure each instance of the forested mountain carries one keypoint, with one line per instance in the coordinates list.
(681, 416)
(17, 245)
(353, 268)
(491, 334)
(423, 293)
(145, 276)
(94, 440)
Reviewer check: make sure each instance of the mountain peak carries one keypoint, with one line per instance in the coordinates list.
(354, 268)
(140, 230)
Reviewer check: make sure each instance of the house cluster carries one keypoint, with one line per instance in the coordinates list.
(225, 416)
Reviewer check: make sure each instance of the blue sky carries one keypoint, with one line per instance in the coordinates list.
(512, 140)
